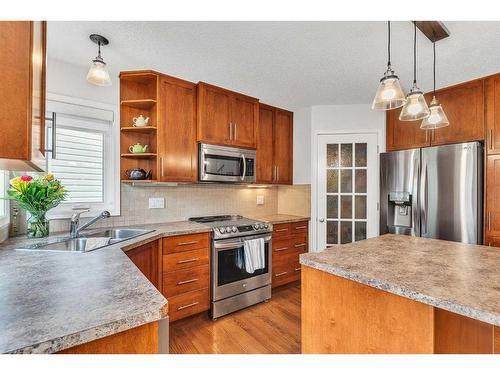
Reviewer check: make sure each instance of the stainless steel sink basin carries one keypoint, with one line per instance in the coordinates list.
(90, 241)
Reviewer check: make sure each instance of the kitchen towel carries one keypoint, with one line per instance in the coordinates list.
(255, 258)
(96, 242)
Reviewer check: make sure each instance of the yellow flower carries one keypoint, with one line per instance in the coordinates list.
(16, 182)
(49, 177)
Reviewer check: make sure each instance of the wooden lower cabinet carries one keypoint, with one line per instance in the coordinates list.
(147, 259)
(186, 274)
(492, 198)
(289, 241)
(340, 316)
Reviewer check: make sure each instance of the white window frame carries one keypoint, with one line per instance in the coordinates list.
(4, 216)
(111, 173)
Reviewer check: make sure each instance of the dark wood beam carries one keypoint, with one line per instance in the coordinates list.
(433, 30)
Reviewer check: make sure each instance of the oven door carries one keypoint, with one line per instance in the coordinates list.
(226, 164)
(229, 276)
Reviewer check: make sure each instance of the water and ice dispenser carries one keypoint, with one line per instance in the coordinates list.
(399, 211)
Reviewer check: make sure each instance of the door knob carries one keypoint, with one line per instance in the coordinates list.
(321, 220)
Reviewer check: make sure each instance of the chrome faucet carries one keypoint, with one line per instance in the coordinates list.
(75, 221)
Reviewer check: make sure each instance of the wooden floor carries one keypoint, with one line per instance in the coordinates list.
(272, 327)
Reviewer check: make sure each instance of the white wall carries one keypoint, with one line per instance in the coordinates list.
(302, 146)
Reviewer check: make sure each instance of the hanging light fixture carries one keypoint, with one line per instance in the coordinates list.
(437, 118)
(389, 94)
(415, 107)
(98, 74)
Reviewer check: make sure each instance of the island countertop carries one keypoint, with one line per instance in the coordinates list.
(51, 301)
(461, 278)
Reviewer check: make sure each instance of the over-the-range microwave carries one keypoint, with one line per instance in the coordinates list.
(226, 164)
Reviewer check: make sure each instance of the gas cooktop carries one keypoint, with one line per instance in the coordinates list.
(228, 226)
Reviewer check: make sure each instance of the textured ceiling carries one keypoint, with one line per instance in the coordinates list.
(289, 64)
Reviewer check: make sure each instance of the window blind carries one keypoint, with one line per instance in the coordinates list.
(79, 164)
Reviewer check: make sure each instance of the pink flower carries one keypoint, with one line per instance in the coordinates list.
(26, 178)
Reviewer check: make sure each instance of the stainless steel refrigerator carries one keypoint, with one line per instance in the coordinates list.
(433, 192)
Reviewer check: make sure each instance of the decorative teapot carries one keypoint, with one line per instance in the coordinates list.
(140, 121)
(138, 148)
(137, 174)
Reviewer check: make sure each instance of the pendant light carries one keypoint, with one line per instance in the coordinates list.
(389, 94)
(98, 73)
(437, 118)
(415, 107)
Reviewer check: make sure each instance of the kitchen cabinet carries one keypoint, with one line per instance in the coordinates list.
(492, 89)
(492, 198)
(289, 241)
(177, 148)
(275, 146)
(22, 113)
(226, 117)
(464, 107)
(404, 135)
(147, 260)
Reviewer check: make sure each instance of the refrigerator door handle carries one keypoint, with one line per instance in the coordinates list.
(425, 199)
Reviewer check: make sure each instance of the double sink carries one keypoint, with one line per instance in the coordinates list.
(90, 241)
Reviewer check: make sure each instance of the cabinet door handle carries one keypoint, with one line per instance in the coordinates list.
(187, 306)
(187, 261)
(489, 221)
(490, 138)
(187, 281)
(300, 244)
(235, 128)
(161, 166)
(187, 243)
(297, 269)
(277, 173)
(280, 274)
(281, 249)
(230, 131)
(426, 136)
(302, 227)
(281, 230)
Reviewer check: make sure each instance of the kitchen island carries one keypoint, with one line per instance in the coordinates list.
(71, 302)
(400, 294)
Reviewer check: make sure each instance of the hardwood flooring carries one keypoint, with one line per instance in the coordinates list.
(266, 328)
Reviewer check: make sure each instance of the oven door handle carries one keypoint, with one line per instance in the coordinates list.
(244, 161)
(234, 244)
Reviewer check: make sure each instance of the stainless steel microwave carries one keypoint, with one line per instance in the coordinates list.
(226, 164)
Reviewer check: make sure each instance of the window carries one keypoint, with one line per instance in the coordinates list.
(4, 204)
(86, 159)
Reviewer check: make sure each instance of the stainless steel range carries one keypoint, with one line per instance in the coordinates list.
(235, 282)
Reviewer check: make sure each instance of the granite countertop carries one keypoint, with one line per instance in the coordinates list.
(461, 278)
(50, 301)
(281, 218)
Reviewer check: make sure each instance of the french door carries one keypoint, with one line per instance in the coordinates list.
(347, 188)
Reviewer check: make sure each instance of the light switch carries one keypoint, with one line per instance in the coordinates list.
(260, 200)
(156, 202)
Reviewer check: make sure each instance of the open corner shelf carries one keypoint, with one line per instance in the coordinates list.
(144, 155)
(139, 103)
(138, 129)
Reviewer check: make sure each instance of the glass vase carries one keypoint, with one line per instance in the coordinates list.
(38, 225)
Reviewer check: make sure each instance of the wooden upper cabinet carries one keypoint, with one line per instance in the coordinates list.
(404, 135)
(214, 114)
(22, 113)
(464, 107)
(226, 117)
(177, 149)
(492, 193)
(283, 147)
(245, 118)
(147, 260)
(492, 90)
(265, 145)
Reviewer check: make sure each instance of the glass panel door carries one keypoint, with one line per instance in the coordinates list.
(347, 188)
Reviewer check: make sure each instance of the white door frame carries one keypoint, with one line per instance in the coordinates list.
(314, 178)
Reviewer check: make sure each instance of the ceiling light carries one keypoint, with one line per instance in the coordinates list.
(437, 118)
(98, 74)
(415, 107)
(389, 94)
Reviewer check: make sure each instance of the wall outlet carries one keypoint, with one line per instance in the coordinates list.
(156, 202)
(260, 200)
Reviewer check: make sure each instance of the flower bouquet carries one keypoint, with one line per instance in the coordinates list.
(37, 196)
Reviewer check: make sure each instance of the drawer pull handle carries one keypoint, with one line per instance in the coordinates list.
(302, 227)
(300, 244)
(187, 243)
(187, 281)
(297, 269)
(187, 306)
(280, 274)
(281, 230)
(187, 260)
(281, 249)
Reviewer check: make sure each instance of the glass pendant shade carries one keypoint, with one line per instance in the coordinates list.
(415, 107)
(389, 94)
(437, 118)
(98, 74)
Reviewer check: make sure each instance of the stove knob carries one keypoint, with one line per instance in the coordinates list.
(234, 229)
(222, 230)
(256, 226)
(266, 225)
(228, 229)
